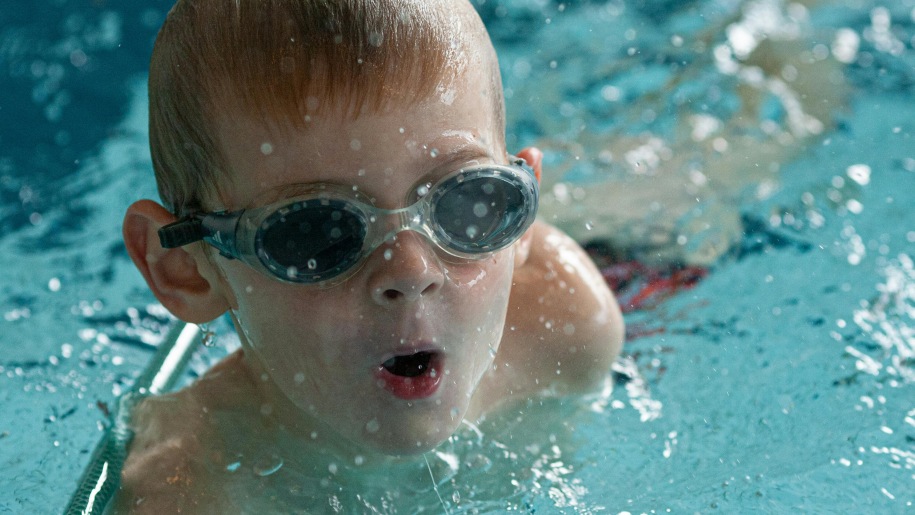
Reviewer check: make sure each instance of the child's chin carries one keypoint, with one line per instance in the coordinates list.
(410, 443)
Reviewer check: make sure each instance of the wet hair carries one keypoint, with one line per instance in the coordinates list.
(283, 60)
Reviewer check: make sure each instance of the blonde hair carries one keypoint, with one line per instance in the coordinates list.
(285, 59)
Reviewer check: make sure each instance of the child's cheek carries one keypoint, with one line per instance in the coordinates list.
(486, 277)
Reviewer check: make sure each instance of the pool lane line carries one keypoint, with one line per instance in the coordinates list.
(102, 476)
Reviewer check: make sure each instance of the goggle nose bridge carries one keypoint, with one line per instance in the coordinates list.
(386, 224)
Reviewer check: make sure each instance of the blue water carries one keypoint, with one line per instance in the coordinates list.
(783, 381)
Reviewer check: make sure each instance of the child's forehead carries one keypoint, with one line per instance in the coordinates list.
(383, 154)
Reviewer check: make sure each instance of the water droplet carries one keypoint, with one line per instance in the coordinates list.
(589, 225)
(207, 336)
(388, 254)
(423, 190)
(433, 153)
(480, 210)
(266, 148)
(472, 231)
(291, 272)
(312, 264)
(375, 38)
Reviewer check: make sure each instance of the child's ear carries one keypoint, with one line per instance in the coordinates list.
(173, 275)
(534, 158)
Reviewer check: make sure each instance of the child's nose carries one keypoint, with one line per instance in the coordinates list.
(405, 270)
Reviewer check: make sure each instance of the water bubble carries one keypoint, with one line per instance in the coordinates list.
(472, 231)
(292, 271)
(388, 254)
(207, 335)
(610, 93)
(355, 144)
(480, 210)
(299, 378)
(859, 173)
(54, 284)
(358, 460)
(589, 225)
(332, 468)
(488, 189)
(232, 467)
(312, 264)
(433, 153)
(335, 233)
(372, 426)
(375, 38)
(266, 148)
(423, 190)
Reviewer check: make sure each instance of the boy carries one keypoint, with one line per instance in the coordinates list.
(338, 181)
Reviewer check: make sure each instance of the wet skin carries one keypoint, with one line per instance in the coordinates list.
(310, 377)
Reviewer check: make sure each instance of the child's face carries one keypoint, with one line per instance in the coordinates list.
(324, 348)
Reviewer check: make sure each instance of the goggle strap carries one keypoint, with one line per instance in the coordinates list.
(181, 233)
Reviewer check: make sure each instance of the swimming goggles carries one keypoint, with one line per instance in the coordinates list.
(320, 236)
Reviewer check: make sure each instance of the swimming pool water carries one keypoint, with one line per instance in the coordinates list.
(783, 381)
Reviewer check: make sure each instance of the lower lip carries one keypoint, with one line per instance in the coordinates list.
(412, 388)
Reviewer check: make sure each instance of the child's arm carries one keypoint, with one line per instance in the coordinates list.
(564, 327)
(177, 445)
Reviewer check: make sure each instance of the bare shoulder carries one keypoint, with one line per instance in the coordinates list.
(564, 327)
(176, 445)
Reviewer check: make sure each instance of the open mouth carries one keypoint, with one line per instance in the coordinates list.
(411, 376)
(409, 366)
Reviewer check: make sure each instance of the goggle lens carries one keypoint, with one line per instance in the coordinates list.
(479, 214)
(312, 240)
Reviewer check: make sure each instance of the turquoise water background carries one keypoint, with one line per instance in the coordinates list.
(784, 381)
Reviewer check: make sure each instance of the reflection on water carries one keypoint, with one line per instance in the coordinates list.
(782, 381)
